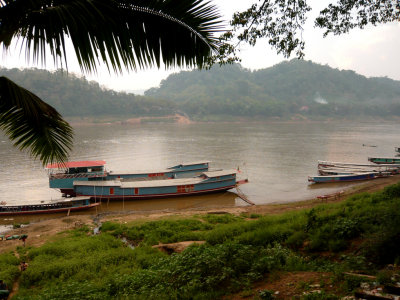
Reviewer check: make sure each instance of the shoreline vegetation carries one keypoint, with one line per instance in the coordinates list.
(302, 249)
(180, 119)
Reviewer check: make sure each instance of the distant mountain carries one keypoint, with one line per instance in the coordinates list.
(75, 96)
(290, 89)
(287, 88)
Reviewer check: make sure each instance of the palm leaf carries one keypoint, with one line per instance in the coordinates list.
(131, 33)
(32, 123)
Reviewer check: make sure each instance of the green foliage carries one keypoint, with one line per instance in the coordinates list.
(204, 268)
(283, 90)
(33, 124)
(75, 96)
(220, 219)
(351, 283)
(9, 268)
(226, 93)
(281, 23)
(134, 35)
(296, 240)
(266, 295)
(238, 253)
(167, 231)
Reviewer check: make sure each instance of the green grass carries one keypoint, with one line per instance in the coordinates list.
(239, 251)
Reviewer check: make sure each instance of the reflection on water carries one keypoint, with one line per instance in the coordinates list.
(277, 158)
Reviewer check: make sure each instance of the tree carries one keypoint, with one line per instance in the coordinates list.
(282, 21)
(121, 33)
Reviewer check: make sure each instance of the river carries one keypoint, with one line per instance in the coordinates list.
(276, 157)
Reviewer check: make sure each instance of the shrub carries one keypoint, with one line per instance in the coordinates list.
(296, 240)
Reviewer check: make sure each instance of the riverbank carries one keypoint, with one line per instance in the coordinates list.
(185, 119)
(40, 232)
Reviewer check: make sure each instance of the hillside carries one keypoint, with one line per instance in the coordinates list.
(287, 88)
(290, 89)
(75, 96)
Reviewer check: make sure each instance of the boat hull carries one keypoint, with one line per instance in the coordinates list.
(218, 182)
(165, 195)
(384, 160)
(43, 209)
(342, 178)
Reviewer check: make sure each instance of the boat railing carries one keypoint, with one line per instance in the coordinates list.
(77, 175)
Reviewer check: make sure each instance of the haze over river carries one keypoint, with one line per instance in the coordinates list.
(276, 157)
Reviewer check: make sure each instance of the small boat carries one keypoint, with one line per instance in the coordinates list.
(343, 178)
(62, 175)
(397, 149)
(61, 205)
(207, 182)
(384, 160)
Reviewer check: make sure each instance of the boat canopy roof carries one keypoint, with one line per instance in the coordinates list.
(190, 164)
(217, 173)
(77, 164)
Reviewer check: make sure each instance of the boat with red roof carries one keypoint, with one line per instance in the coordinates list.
(62, 175)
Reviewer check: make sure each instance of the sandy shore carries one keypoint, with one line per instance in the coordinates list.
(39, 233)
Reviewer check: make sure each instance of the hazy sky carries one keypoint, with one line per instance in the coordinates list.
(370, 52)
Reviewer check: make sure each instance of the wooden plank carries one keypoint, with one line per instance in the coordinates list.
(243, 196)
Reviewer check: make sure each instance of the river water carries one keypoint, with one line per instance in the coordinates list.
(276, 157)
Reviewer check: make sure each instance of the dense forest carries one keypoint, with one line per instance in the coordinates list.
(75, 96)
(294, 88)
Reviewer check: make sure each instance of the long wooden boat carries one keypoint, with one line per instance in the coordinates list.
(343, 178)
(62, 176)
(207, 182)
(62, 205)
(384, 160)
(326, 168)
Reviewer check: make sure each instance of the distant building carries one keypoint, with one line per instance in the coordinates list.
(304, 108)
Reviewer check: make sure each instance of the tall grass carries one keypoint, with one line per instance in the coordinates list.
(9, 268)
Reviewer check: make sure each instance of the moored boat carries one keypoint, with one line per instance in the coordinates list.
(343, 178)
(57, 206)
(339, 168)
(207, 182)
(62, 175)
(384, 160)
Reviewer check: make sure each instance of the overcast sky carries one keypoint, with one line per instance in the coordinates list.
(370, 52)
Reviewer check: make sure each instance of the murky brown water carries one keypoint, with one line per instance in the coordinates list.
(277, 158)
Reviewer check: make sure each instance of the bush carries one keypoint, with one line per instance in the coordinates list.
(296, 240)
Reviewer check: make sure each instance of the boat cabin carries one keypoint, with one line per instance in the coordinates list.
(76, 167)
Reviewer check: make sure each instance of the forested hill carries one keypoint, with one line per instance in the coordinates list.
(75, 96)
(294, 88)
(287, 88)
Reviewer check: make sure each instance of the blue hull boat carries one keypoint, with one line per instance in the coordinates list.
(62, 176)
(207, 182)
(343, 178)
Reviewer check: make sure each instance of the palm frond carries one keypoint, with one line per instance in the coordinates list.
(131, 33)
(33, 124)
